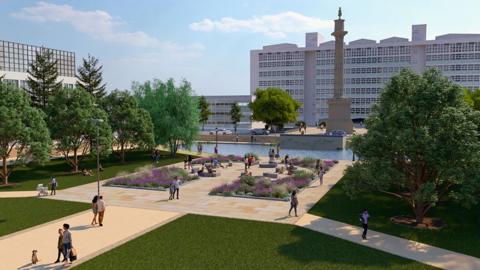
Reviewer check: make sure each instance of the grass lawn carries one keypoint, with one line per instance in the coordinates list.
(461, 233)
(201, 242)
(20, 213)
(28, 177)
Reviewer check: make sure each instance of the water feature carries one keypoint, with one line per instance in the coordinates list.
(262, 150)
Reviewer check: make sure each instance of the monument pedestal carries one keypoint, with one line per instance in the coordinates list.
(339, 116)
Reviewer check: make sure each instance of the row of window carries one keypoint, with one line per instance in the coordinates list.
(324, 111)
(23, 84)
(281, 56)
(353, 81)
(275, 73)
(457, 67)
(281, 64)
(295, 92)
(368, 60)
(369, 51)
(456, 56)
(275, 83)
(465, 78)
(453, 47)
(364, 100)
(361, 70)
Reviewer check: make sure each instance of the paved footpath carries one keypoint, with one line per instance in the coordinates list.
(120, 225)
(413, 250)
(18, 194)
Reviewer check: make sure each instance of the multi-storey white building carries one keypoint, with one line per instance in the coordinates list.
(15, 59)
(220, 107)
(306, 73)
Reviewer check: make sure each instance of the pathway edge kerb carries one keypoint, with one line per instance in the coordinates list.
(44, 224)
(129, 238)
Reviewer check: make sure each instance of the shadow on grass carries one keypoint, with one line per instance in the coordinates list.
(314, 247)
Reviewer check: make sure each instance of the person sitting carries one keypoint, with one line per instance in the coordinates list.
(86, 172)
(201, 169)
(210, 169)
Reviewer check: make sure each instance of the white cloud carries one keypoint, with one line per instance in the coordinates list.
(276, 25)
(100, 25)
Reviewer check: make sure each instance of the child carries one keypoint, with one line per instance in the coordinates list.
(172, 190)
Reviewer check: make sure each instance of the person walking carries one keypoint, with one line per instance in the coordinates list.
(66, 243)
(189, 162)
(53, 185)
(293, 203)
(364, 220)
(101, 210)
(94, 210)
(60, 246)
(172, 190)
(321, 172)
(250, 161)
(177, 185)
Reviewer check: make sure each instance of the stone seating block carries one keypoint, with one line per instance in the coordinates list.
(270, 175)
(268, 165)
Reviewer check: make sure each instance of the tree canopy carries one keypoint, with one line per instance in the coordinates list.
(42, 78)
(422, 144)
(131, 125)
(90, 77)
(473, 98)
(23, 131)
(204, 110)
(174, 111)
(72, 114)
(236, 115)
(274, 107)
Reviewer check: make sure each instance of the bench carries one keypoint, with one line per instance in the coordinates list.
(268, 165)
(270, 175)
(207, 174)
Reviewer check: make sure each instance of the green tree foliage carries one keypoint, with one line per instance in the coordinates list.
(472, 98)
(90, 77)
(236, 115)
(131, 125)
(274, 107)
(204, 111)
(422, 144)
(173, 109)
(71, 120)
(23, 131)
(42, 78)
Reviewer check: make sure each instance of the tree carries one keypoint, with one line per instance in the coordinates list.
(131, 125)
(274, 107)
(422, 144)
(236, 115)
(204, 111)
(90, 77)
(23, 131)
(174, 111)
(72, 114)
(472, 98)
(42, 78)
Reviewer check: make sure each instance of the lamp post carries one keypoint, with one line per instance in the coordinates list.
(216, 140)
(97, 122)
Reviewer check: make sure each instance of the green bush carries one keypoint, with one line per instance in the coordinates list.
(309, 162)
(303, 174)
(279, 191)
(247, 179)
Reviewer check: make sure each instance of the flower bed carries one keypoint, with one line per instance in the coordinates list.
(221, 158)
(310, 163)
(263, 187)
(148, 178)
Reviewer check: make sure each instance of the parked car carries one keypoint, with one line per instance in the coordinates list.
(259, 131)
(221, 131)
(340, 133)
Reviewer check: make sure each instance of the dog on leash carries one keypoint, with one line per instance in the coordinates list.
(35, 257)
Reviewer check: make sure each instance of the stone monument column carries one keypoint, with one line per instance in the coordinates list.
(339, 116)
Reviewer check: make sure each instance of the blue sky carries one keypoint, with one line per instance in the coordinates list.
(208, 42)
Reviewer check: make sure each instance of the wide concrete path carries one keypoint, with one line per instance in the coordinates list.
(18, 194)
(120, 225)
(413, 250)
(194, 196)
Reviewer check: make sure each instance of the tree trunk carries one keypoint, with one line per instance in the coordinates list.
(75, 161)
(419, 214)
(203, 126)
(5, 170)
(122, 153)
(235, 127)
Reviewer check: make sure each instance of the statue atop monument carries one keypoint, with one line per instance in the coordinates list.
(340, 12)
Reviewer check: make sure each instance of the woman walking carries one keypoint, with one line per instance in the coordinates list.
(60, 246)
(94, 210)
(293, 203)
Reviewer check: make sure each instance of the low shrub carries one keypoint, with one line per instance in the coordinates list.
(280, 191)
(303, 174)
